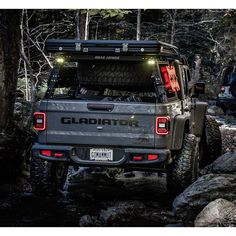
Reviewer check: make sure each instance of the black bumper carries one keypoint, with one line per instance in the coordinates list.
(122, 156)
(227, 103)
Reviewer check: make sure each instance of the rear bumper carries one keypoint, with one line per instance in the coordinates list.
(226, 103)
(122, 157)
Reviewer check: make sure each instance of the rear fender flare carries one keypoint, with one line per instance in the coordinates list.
(199, 114)
(180, 126)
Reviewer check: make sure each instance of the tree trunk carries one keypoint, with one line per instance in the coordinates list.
(195, 71)
(138, 25)
(9, 57)
(80, 19)
(172, 36)
(77, 23)
(86, 35)
(25, 54)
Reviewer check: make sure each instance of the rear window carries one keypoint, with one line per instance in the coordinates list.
(106, 80)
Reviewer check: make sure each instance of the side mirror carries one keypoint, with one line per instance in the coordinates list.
(199, 88)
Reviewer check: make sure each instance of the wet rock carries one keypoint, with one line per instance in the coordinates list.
(175, 225)
(206, 189)
(225, 164)
(121, 212)
(215, 111)
(217, 213)
(6, 189)
(129, 174)
(86, 221)
(159, 217)
(228, 138)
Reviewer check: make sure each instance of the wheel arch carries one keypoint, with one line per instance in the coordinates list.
(198, 118)
(181, 125)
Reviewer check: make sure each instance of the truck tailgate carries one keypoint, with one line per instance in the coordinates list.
(100, 123)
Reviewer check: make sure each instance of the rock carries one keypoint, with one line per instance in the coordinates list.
(175, 225)
(217, 213)
(129, 174)
(215, 111)
(225, 164)
(121, 212)
(158, 217)
(6, 189)
(206, 189)
(228, 138)
(86, 221)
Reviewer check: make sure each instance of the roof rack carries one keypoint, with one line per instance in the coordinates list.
(110, 47)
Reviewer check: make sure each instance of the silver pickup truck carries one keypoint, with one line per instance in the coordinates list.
(121, 104)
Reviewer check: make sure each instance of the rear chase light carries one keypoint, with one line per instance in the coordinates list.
(162, 125)
(39, 121)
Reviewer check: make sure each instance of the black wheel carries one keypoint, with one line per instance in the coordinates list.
(210, 144)
(47, 177)
(185, 167)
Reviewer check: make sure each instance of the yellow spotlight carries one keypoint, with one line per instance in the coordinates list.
(151, 62)
(60, 60)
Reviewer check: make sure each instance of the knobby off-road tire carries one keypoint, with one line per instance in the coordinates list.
(184, 169)
(47, 177)
(211, 144)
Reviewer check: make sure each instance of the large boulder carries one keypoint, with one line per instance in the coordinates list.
(225, 164)
(217, 213)
(206, 189)
(215, 111)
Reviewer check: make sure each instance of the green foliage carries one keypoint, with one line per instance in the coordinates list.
(107, 13)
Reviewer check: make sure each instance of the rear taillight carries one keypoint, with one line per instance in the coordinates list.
(222, 89)
(39, 121)
(162, 125)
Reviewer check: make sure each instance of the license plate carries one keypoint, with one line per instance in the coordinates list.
(101, 154)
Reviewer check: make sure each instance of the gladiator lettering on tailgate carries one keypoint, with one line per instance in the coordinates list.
(93, 121)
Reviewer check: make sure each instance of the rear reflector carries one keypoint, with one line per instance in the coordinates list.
(152, 157)
(58, 154)
(39, 121)
(46, 153)
(162, 125)
(137, 158)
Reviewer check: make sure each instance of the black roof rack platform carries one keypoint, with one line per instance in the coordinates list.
(111, 47)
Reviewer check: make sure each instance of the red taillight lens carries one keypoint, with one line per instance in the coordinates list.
(152, 157)
(46, 153)
(222, 89)
(162, 125)
(39, 121)
(58, 154)
(137, 158)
